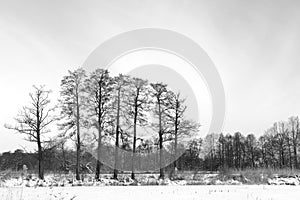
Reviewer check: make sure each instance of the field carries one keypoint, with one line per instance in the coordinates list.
(213, 192)
(248, 184)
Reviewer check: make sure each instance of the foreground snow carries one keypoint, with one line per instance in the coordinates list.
(106, 180)
(220, 192)
(52, 180)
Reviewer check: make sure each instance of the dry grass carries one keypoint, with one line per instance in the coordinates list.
(245, 176)
(256, 176)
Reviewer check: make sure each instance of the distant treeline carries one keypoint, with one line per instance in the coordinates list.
(276, 148)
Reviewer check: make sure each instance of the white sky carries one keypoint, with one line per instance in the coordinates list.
(255, 46)
(158, 66)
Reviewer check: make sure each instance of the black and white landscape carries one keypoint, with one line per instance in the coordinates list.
(143, 99)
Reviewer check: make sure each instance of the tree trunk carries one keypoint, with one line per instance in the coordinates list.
(161, 171)
(134, 138)
(117, 139)
(98, 165)
(290, 154)
(38, 137)
(40, 157)
(295, 138)
(77, 171)
(175, 142)
(282, 157)
(97, 175)
(295, 156)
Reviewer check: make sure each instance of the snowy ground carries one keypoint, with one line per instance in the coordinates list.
(234, 192)
(147, 186)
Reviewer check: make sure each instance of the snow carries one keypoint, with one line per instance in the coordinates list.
(142, 180)
(146, 187)
(219, 192)
(284, 181)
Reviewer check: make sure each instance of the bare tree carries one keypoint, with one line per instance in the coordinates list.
(34, 120)
(262, 141)
(71, 103)
(222, 150)
(160, 95)
(99, 90)
(177, 109)
(238, 145)
(210, 144)
(251, 145)
(120, 86)
(180, 126)
(280, 139)
(295, 133)
(138, 101)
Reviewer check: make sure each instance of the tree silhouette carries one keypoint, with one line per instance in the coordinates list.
(34, 120)
(71, 103)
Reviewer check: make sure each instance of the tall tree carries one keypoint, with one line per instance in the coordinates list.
(271, 146)
(288, 143)
(251, 144)
(138, 102)
(222, 150)
(180, 126)
(210, 145)
(294, 126)
(238, 148)
(229, 150)
(34, 120)
(160, 95)
(99, 89)
(72, 103)
(280, 141)
(176, 114)
(120, 86)
(262, 141)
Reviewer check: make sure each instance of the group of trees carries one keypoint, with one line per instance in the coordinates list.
(96, 110)
(276, 148)
(111, 115)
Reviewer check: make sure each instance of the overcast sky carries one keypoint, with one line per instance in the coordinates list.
(254, 44)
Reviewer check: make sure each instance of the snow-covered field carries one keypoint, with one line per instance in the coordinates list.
(233, 192)
(147, 186)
